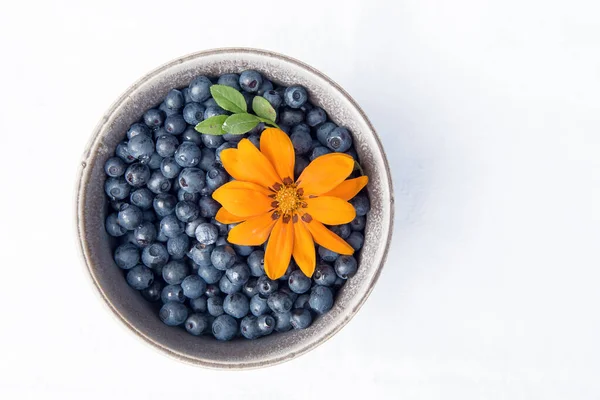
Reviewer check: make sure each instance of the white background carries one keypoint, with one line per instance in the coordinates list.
(490, 115)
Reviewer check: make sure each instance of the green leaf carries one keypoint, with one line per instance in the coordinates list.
(228, 98)
(240, 123)
(213, 125)
(263, 108)
(267, 121)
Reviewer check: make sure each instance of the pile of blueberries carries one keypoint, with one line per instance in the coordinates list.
(171, 248)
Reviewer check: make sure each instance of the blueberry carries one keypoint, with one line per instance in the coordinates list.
(199, 304)
(222, 257)
(266, 324)
(279, 302)
(227, 286)
(210, 103)
(137, 174)
(352, 153)
(213, 111)
(166, 145)
(175, 124)
(301, 318)
(140, 277)
(138, 129)
(193, 113)
(291, 267)
(154, 118)
(178, 246)
(200, 89)
(324, 275)
(250, 81)
(301, 139)
(122, 152)
(145, 234)
(236, 305)
(186, 95)
(116, 188)
(114, 167)
(182, 195)
(174, 99)
(315, 117)
(338, 140)
(164, 204)
(206, 233)
(231, 80)
(142, 198)
(169, 168)
(193, 286)
(210, 274)
(212, 291)
(256, 262)
(258, 305)
(196, 324)
(267, 286)
(238, 274)
(141, 147)
(361, 204)
(161, 237)
(324, 130)
(295, 96)
(207, 160)
(298, 282)
(192, 180)
(287, 291)
(302, 301)
(168, 111)
(216, 177)
(173, 313)
(112, 226)
(188, 154)
(152, 292)
(172, 293)
(200, 254)
(255, 139)
(215, 306)
(318, 152)
(171, 226)
(158, 183)
(154, 161)
(339, 282)
(243, 251)
(300, 164)
(264, 87)
(356, 240)
(342, 231)
(221, 227)
(129, 216)
(212, 141)
(190, 227)
(249, 327)
(191, 135)
(224, 327)
(174, 272)
(250, 288)
(187, 211)
(222, 147)
(346, 266)
(208, 207)
(127, 256)
(155, 256)
(291, 117)
(327, 255)
(321, 299)
(283, 321)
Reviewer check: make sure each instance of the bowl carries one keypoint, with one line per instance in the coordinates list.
(91, 208)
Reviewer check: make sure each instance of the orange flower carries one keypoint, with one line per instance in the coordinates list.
(270, 205)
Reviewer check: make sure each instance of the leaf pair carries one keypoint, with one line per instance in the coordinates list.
(240, 121)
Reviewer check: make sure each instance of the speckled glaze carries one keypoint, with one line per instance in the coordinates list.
(91, 207)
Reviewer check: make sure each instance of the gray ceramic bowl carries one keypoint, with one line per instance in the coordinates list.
(128, 305)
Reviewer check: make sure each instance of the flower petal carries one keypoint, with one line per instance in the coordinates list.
(304, 249)
(349, 188)
(243, 199)
(325, 172)
(248, 164)
(327, 239)
(278, 149)
(253, 232)
(330, 210)
(225, 217)
(279, 249)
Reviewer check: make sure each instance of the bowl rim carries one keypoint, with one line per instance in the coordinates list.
(80, 217)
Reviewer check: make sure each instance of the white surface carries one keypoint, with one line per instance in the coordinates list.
(489, 111)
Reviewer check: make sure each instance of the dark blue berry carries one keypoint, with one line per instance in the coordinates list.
(112, 226)
(301, 318)
(264, 87)
(117, 188)
(138, 129)
(206, 233)
(141, 147)
(356, 240)
(140, 277)
(172, 293)
(164, 204)
(222, 147)
(227, 286)
(298, 282)
(266, 324)
(152, 292)
(116, 204)
(210, 274)
(324, 130)
(137, 174)
(210, 103)
(301, 139)
(187, 211)
(188, 154)
(145, 233)
(243, 251)
(142, 198)
(221, 227)
(129, 216)
(280, 302)
(158, 183)
(339, 139)
(250, 288)
(168, 111)
(127, 256)
(231, 80)
(250, 81)
(166, 145)
(256, 262)
(208, 207)
(286, 290)
(290, 116)
(192, 180)
(321, 299)
(324, 275)
(182, 195)
(295, 96)
(114, 167)
(154, 161)
(213, 111)
(215, 306)
(273, 97)
(154, 118)
(212, 141)
(358, 223)
(161, 237)
(315, 117)
(342, 231)
(283, 321)
(212, 291)
(155, 256)
(318, 152)
(238, 274)
(266, 286)
(191, 135)
(207, 160)
(178, 246)
(122, 152)
(196, 324)
(186, 95)
(236, 305)
(200, 89)
(346, 267)
(190, 227)
(300, 164)
(174, 272)
(302, 301)
(216, 177)
(199, 304)
(258, 305)
(327, 255)
(175, 124)
(249, 327)
(169, 167)
(171, 226)
(149, 216)
(174, 99)
(222, 257)
(224, 327)
(193, 286)
(173, 313)
(361, 204)
(255, 140)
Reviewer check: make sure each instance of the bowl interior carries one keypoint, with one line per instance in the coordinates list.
(92, 209)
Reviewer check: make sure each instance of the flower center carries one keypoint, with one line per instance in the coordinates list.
(288, 198)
